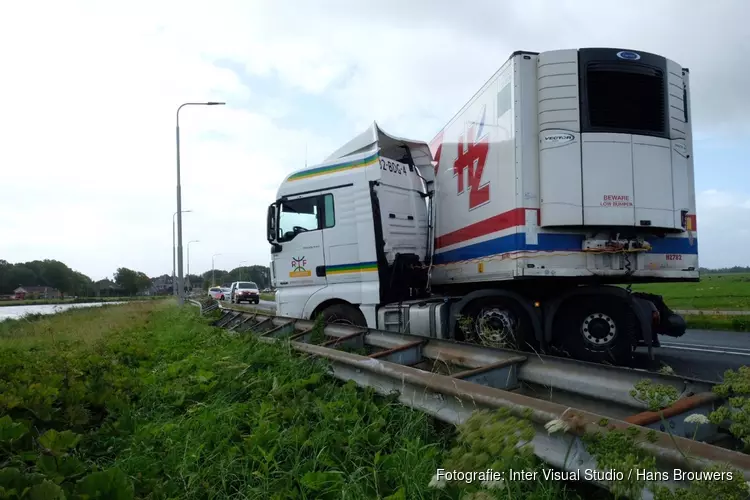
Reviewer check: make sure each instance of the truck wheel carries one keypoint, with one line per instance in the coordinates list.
(345, 314)
(496, 322)
(596, 329)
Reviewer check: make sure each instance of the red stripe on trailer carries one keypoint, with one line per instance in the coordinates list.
(505, 220)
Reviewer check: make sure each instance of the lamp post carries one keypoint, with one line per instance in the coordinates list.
(188, 257)
(179, 195)
(174, 287)
(241, 262)
(213, 274)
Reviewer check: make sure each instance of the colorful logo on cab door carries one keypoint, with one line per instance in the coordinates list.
(298, 268)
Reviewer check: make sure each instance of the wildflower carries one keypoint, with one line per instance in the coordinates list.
(696, 418)
(478, 495)
(437, 483)
(493, 485)
(556, 425)
(666, 370)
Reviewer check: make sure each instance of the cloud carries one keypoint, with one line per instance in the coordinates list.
(413, 64)
(88, 153)
(722, 227)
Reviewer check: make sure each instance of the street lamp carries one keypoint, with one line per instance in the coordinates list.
(188, 257)
(174, 287)
(242, 262)
(213, 277)
(179, 194)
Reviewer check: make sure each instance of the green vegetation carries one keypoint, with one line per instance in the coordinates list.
(618, 450)
(268, 296)
(58, 276)
(145, 400)
(735, 387)
(718, 322)
(79, 300)
(655, 396)
(725, 292)
(715, 292)
(51, 273)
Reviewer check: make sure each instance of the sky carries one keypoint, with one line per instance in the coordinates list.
(90, 91)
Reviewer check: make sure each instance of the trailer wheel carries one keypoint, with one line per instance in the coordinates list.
(343, 314)
(596, 329)
(496, 322)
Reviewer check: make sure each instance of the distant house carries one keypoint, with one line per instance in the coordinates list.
(161, 285)
(108, 288)
(36, 292)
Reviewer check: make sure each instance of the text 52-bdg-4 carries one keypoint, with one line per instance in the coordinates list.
(392, 166)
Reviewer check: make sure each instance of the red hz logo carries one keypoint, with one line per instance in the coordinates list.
(471, 158)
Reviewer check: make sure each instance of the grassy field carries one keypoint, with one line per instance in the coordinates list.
(724, 292)
(79, 300)
(715, 292)
(146, 401)
(268, 296)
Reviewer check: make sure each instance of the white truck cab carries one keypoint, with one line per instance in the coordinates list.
(323, 227)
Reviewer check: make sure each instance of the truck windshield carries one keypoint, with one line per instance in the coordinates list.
(247, 285)
(300, 214)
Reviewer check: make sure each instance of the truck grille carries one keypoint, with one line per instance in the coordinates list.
(625, 98)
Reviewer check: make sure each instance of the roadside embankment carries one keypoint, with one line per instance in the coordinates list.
(77, 300)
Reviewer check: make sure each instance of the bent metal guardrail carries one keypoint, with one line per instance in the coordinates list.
(203, 307)
(449, 380)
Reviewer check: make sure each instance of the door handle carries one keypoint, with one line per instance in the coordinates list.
(320, 271)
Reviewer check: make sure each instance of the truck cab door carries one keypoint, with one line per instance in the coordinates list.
(299, 257)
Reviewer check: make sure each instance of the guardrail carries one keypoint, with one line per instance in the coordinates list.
(450, 380)
(204, 309)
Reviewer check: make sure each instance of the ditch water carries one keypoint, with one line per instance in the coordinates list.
(16, 312)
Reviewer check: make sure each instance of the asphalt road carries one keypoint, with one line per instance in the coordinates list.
(263, 304)
(702, 354)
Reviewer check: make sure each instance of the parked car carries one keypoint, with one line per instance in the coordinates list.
(227, 291)
(245, 291)
(216, 293)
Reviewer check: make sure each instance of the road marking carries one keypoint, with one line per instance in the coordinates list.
(705, 346)
(700, 348)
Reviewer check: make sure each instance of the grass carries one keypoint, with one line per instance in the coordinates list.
(145, 400)
(79, 300)
(268, 296)
(718, 322)
(728, 292)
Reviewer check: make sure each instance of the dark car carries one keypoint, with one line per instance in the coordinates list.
(246, 291)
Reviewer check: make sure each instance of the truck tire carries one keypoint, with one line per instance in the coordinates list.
(345, 314)
(598, 329)
(496, 322)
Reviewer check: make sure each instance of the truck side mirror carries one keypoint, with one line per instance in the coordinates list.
(271, 223)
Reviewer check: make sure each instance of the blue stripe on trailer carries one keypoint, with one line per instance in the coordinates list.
(552, 242)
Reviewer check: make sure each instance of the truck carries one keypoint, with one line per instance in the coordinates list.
(567, 178)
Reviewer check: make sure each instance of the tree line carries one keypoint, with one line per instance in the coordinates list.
(726, 270)
(57, 275)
